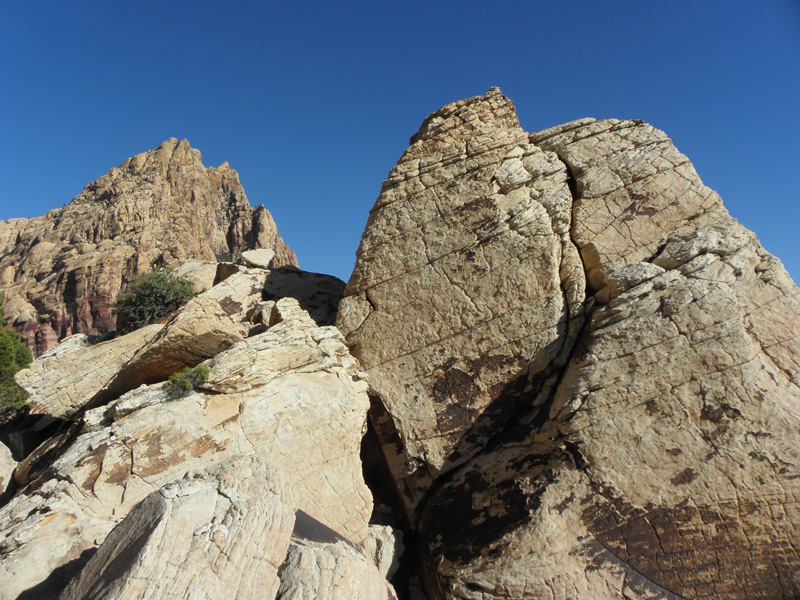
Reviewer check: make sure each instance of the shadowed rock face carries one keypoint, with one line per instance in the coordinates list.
(585, 371)
(61, 273)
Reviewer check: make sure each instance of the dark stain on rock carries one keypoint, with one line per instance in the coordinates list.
(716, 414)
(674, 451)
(460, 526)
(690, 550)
(95, 462)
(685, 477)
(562, 506)
(230, 306)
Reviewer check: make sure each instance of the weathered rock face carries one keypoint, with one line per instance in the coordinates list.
(290, 397)
(465, 289)
(7, 466)
(63, 271)
(233, 532)
(222, 534)
(652, 447)
(322, 564)
(64, 379)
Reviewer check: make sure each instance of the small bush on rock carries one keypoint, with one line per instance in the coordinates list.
(187, 380)
(150, 298)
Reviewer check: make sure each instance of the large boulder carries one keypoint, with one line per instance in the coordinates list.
(466, 289)
(231, 532)
(291, 396)
(64, 379)
(218, 534)
(651, 447)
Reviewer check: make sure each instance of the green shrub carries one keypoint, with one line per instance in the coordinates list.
(187, 380)
(14, 356)
(150, 298)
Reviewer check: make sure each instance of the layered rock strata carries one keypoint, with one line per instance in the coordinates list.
(585, 382)
(60, 274)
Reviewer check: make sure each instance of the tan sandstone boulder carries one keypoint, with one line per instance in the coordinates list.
(290, 396)
(218, 534)
(659, 457)
(466, 288)
(63, 380)
(7, 466)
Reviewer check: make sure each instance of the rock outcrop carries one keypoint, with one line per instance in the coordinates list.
(466, 288)
(60, 274)
(582, 377)
(290, 396)
(585, 372)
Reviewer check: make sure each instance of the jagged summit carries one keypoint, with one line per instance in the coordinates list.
(61, 272)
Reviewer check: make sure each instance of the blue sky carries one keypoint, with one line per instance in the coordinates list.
(314, 102)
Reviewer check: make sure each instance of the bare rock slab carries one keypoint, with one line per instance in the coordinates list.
(291, 396)
(213, 535)
(65, 379)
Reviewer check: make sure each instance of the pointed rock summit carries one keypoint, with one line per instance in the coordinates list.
(584, 371)
(61, 273)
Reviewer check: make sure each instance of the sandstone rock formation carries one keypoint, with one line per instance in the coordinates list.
(586, 373)
(64, 379)
(466, 288)
(7, 466)
(582, 377)
(61, 273)
(290, 396)
(218, 534)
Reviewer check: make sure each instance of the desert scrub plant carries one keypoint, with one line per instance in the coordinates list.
(14, 356)
(185, 381)
(150, 298)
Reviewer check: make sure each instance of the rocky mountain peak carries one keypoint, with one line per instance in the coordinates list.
(61, 272)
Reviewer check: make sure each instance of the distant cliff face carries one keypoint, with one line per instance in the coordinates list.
(61, 273)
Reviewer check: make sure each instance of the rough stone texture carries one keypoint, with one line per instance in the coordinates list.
(213, 535)
(7, 466)
(669, 465)
(666, 465)
(64, 379)
(261, 259)
(465, 288)
(63, 271)
(656, 453)
(633, 189)
(323, 564)
(291, 396)
(201, 273)
(385, 546)
(204, 327)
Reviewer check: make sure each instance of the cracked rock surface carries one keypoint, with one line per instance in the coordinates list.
(639, 436)
(465, 289)
(290, 396)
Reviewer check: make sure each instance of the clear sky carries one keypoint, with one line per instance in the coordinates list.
(314, 102)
